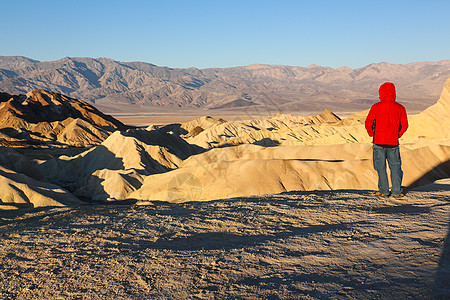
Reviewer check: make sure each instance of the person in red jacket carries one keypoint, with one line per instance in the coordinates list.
(386, 122)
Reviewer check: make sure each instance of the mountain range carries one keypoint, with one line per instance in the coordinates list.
(116, 86)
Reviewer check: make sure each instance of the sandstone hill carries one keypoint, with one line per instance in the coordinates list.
(114, 85)
(434, 122)
(20, 191)
(211, 158)
(41, 117)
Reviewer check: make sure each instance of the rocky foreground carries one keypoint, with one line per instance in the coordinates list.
(343, 244)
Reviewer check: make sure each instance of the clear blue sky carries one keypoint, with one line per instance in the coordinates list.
(229, 33)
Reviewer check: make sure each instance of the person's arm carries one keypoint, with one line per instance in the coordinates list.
(369, 122)
(403, 123)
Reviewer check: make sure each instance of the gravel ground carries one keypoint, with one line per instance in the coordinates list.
(298, 245)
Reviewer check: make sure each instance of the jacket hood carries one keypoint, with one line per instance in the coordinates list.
(387, 92)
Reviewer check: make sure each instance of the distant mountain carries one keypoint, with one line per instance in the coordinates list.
(137, 85)
(41, 118)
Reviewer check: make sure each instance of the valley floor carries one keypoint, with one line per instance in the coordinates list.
(158, 117)
(296, 245)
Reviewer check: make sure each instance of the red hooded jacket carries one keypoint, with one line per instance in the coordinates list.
(387, 120)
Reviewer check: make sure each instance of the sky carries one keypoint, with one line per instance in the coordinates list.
(229, 33)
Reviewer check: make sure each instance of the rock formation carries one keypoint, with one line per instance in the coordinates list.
(210, 158)
(434, 122)
(42, 117)
(20, 191)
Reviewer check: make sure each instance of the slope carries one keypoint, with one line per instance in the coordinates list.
(43, 117)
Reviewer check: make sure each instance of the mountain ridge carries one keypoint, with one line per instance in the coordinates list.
(43, 118)
(110, 83)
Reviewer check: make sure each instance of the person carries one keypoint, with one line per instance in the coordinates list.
(386, 122)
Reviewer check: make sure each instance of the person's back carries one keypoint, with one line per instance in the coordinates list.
(388, 117)
(386, 122)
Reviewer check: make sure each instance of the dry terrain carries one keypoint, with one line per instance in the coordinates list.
(343, 244)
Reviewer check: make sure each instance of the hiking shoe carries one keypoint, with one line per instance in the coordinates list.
(378, 194)
(399, 196)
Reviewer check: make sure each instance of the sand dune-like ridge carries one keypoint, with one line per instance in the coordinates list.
(271, 170)
(211, 158)
(20, 191)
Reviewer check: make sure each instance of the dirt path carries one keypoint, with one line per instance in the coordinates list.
(305, 245)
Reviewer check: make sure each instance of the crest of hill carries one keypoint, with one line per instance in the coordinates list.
(47, 117)
(208, 132)
(434, 122)
(198, 125)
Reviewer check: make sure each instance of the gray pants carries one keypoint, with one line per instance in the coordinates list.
(392, 155)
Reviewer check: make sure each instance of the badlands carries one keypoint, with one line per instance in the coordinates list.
(204, 159)
(281, 207)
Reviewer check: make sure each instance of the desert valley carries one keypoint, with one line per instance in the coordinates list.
(224, 190)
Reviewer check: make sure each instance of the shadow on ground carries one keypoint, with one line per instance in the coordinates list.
(443, 273)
